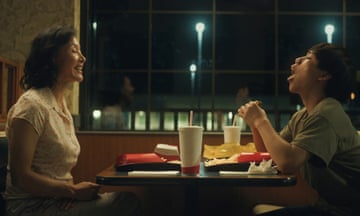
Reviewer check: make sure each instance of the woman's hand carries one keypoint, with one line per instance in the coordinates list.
(86, 191)
(83, 191)
(252, 113)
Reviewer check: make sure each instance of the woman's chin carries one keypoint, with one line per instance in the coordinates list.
(79, 78)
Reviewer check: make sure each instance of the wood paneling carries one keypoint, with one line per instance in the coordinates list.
(10, 73)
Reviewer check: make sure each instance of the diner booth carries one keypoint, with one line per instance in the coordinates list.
(99, 150)
(221, 69)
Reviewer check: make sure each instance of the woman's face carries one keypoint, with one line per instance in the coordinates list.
(305, 74)
(70, 62)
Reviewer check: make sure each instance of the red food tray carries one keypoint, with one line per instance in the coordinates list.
(253, 157)
(138, 158)
(143, 162)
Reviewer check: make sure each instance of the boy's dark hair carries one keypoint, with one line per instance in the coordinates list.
(336, 61)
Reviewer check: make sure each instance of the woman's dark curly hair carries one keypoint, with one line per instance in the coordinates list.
(336, 61)
(40, 69)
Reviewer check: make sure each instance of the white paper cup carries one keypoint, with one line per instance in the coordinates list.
(232, 134)
(190, 143)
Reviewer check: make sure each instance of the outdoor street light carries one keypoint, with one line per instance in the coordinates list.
(94, 25)
(192, 78)
(199, 27)
(96, 114)
(192, 70)
(329, 31)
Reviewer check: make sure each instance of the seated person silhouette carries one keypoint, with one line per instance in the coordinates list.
(114, 115)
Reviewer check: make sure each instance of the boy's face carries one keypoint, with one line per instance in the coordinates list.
(305, 74)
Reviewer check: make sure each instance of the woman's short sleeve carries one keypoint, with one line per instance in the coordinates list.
(31, 111)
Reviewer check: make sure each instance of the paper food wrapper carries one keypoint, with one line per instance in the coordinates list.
(226, 150)
(169, 152)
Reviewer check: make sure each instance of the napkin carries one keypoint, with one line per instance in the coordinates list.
(153, 173)
(265, 167)
(169, 152)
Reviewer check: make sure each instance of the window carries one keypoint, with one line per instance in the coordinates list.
(243, 53)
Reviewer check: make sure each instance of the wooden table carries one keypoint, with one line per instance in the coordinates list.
(111, 177)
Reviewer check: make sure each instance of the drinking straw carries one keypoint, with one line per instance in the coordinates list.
(191, 117)
(234, 120)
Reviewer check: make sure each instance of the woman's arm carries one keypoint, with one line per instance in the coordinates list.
(22, 143)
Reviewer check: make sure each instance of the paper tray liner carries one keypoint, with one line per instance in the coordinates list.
(228, 167)
(163, 166)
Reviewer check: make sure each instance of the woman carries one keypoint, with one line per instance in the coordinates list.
(43, 147)
(319, 140)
